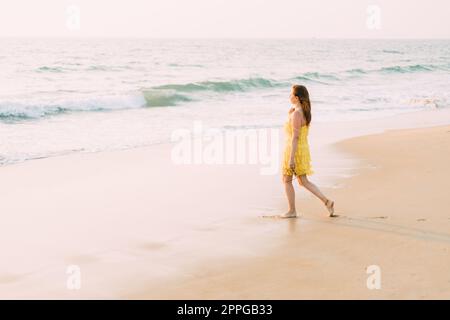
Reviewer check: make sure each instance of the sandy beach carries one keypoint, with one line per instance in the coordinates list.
(394, 216)
(139, 227)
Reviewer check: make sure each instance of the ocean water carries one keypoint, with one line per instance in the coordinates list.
(59, 96)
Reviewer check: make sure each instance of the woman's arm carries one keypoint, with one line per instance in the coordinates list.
(296, 125)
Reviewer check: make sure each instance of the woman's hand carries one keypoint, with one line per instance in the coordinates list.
(292, 164)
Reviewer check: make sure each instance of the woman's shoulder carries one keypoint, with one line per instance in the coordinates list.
(298, 114)
(295, 112)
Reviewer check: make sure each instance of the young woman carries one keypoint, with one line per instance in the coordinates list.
(297, 159)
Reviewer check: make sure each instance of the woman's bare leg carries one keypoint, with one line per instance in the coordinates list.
(290, 194)
(303, 181)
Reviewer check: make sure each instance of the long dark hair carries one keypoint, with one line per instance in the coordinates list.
(302, 93)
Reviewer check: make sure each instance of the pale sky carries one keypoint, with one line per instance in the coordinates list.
(226, 18)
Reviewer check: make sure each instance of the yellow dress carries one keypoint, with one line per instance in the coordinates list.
(302, 157)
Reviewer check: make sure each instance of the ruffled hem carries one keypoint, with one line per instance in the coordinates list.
(288, 172)
(302, 160)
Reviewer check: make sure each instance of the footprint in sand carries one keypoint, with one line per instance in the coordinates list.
(379, 217)
(421, 219)
(277, 216)
(273, 216)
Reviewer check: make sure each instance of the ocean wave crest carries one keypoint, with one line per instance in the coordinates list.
(159, 98)
(16, 110)
(239, 85)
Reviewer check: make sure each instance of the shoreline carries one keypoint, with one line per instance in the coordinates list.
(430, 119)
(121, 235)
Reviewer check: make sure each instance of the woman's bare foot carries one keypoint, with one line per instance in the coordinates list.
(330, 206)
(289, 214)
